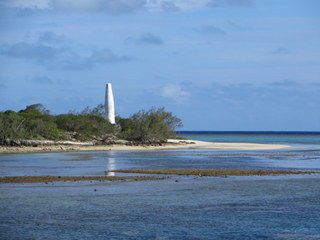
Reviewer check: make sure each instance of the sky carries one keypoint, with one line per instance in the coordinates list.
(219, 65)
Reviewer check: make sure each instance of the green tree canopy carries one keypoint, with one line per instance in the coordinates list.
(98, 111)
(36, 122)
(12, 126)
(148, 126)
(36, 108)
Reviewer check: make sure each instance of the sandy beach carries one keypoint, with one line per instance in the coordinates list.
(172, 144)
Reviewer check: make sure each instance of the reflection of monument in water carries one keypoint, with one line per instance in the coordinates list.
(111, 165)
(109, 107)
(109, 104)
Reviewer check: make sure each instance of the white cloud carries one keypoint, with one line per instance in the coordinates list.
(191, 5)
(105, 6)
(39, 4)
(226, 3)
(213, 30)
(175, 92)
(61, 57)
(122, 6)
(145, 39)
(184, 5)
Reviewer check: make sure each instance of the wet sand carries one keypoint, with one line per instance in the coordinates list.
(172, 144)
(46, 179)
(214, 172)
(184, 172)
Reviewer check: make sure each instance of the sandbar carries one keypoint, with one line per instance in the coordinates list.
(46, 179)
(172, 144)
(214, 172)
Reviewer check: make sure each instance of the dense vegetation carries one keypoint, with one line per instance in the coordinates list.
(152, 125)
(36, 122)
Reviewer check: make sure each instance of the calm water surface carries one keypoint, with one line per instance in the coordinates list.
(270, 207)
(292, 138)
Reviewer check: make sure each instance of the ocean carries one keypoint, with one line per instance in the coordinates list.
(180, 207)
(292, 138)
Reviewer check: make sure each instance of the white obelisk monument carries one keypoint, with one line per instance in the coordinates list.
(109, 104)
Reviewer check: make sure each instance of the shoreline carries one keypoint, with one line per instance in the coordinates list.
(172, 144)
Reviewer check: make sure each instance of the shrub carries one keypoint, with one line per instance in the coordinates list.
(150, 126)
(40, 129)
(87, 126)
(35, 122)
(12, 126)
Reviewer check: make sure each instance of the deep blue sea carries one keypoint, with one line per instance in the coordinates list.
(180, 207)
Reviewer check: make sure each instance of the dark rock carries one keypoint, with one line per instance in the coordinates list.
(15, 143)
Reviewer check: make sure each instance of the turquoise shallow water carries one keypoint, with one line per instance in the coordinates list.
(293, 138)
(270, 207)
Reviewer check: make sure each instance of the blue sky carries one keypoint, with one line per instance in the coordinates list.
(245, 65)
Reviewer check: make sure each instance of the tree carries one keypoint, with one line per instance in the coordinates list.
(98, 111)
(94, 126)
(37, 108)
(68, 122)
(39, 124)
(86, 126)
(35, 122)
(12, 126)
(150, 126)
